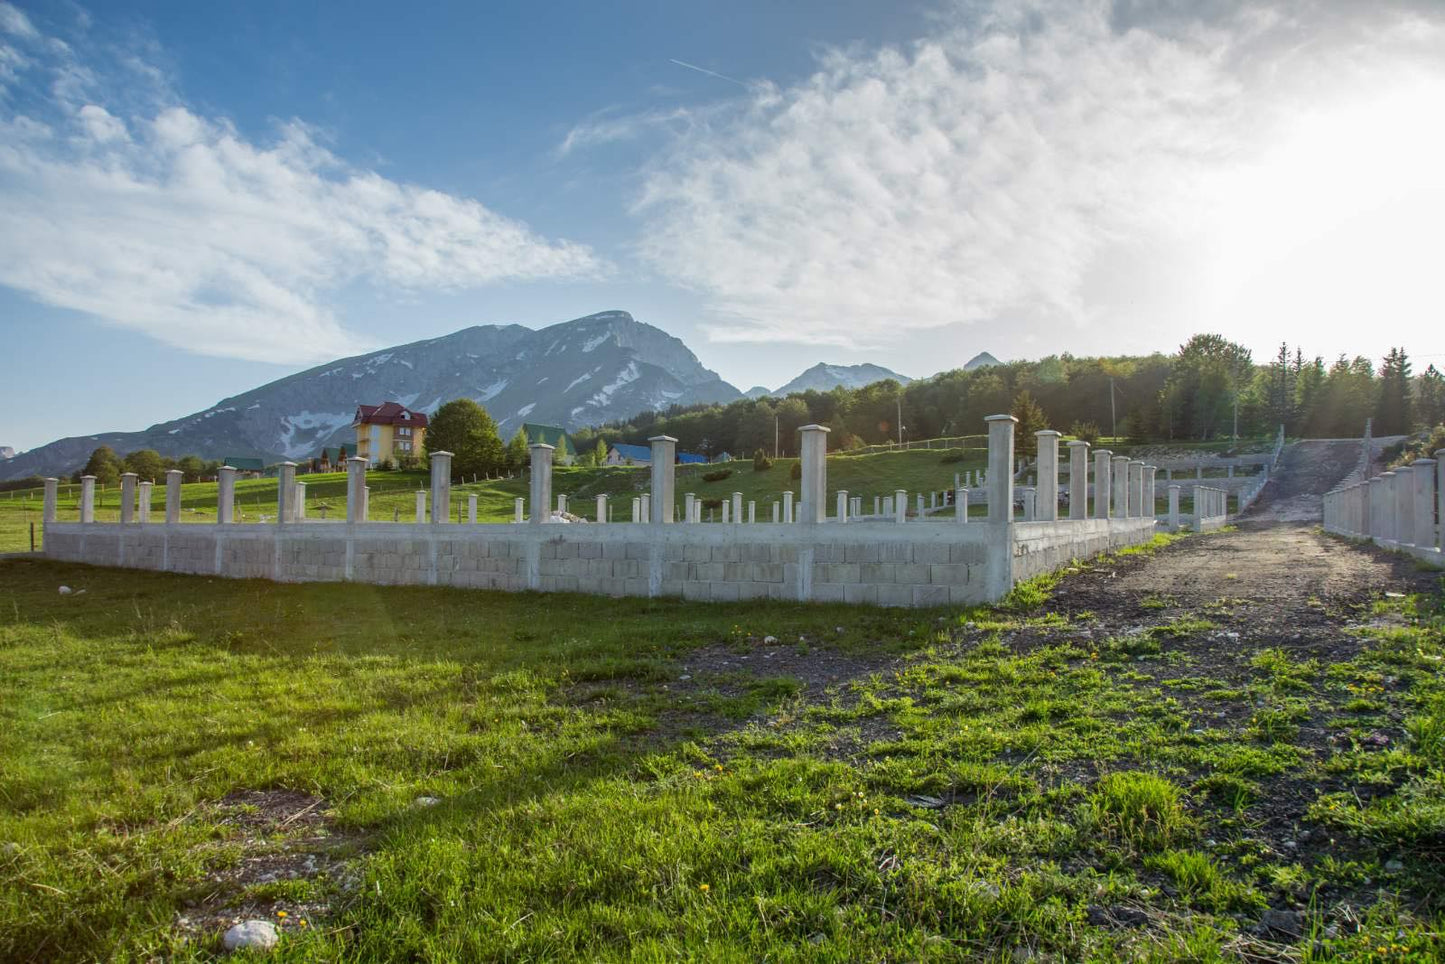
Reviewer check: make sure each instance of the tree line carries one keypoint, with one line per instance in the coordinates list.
(1199, 393)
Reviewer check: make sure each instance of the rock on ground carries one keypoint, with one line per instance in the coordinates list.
(259, 934)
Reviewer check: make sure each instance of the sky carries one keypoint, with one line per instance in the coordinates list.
(199, 198)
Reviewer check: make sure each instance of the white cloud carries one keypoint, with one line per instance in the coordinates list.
(980, 174)
(171, 223)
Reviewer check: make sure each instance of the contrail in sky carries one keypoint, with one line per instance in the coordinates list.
(710, 73)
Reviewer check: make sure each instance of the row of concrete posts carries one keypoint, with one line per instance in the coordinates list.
(1122, 488)
(1402, 508)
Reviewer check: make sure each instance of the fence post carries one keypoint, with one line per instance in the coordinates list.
(602, 508)
(737, 507)
(1103, 482)
(127, 497)
(471, 508)
(1149, 493)
(1377, 509)
(519, 510)
(788, 507)
(441, 487)
(1173, 508)
(144, 508)
(1000, 471)
(285, 492)
(900, 505)
(960, 505)
(52, 490)
(541, 494)
(225, 494)
(355, 489)
(842, 505)
(814, 457)
(1078, 479)
(87, 499)
(173, 494)
(1119, 494)
(1046, 498)
(664, 473)
(1423, 471)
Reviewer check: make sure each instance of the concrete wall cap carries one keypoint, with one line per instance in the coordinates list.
(814, 428)
(542, 445)
(999, 418)
(1079, 441)
(662, 438)
(447, 454)
(1049, 431)
(1423, 462)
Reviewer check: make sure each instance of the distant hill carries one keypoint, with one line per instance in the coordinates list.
(982, 360)
(578, 373)
(823, 377)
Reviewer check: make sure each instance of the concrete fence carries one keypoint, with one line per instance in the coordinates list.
(1401, 509)
(797, 551)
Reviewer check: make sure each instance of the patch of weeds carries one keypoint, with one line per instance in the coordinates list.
(1142, 809)
(1184, 626)
(1202, 882)
(1030, 594)
(1132, 645)
(1156, 602)
(1284, 672)
(1427, 732)
(1277, 724)
(1228, 789)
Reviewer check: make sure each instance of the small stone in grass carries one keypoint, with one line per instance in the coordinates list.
(769, 640)
(426, 801)
(1394, 865)
(259, 934)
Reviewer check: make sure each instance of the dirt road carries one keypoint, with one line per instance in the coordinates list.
(1306, 471)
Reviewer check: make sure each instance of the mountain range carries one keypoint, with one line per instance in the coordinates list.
(579, 373)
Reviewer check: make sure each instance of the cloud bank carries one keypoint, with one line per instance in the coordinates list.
(118, 200)
(979, 174)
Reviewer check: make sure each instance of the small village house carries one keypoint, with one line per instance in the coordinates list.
(388, 431)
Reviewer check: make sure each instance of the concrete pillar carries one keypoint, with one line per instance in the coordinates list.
(365, 502)
(900, 505)
(1078, 479)
(1440, 497)
(1404, 506)
(636, 509)
(519, 510)
(726, 511)
(1199, 508)
(225, 494)
(441, 487)
(960, 505)
(540, 492)
(52, 496)
(664, 472)
(144, 494)
(1229, 471)
(777, 512)
(285, 493)
(737, 507)
(87, 498)
(561, 503)
(1046, 498)
(888, 506)
(1030, 504)
(127, 497)
(1199, 470)
(1423, 510)
(1136, 488)
(602, 509)
(472, 508)
(1119, 496)
(1000, 462)
(1103, 482)
(814, 458)
(421, 505)
(788, 508)
(877, 505)
(355, 486)
(173, 494)
(1149, 494)
(1173, 508)
(752, 512)
(1377, 508)
(842, 505)
(300, 501)
(646, 506)
(688, 502)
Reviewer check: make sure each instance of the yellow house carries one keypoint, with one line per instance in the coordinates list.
(387, 432)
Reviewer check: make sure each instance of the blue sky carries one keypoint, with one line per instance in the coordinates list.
(197, 198)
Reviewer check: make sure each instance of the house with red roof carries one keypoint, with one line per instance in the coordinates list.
(388, 432)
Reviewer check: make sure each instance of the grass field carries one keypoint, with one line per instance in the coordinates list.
(665, 780)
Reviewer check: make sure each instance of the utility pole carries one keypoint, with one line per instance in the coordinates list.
(1113, 417)
(775, 436)
(899, 400)
(1236, 418)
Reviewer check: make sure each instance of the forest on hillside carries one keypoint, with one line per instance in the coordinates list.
(1194, 394)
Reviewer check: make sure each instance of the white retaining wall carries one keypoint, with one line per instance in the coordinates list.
(1401, 509)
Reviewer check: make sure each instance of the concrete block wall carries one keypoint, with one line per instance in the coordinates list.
(1040, 547)
(1402, 510)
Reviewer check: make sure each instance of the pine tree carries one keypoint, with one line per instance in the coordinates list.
(518, 454)
(1392, 412)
